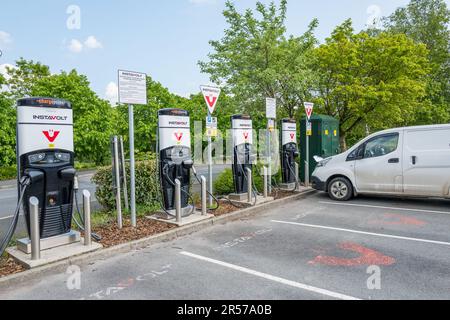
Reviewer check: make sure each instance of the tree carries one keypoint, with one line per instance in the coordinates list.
(23, 77)
(7, 128)
(255, 59)
(427, 21)
(369, 80)
(93, 117)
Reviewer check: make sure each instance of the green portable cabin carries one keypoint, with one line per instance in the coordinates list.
(324, 141)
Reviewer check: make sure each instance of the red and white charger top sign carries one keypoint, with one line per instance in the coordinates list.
(43, 129)
(211, 95)
(242, 132)
(289, 135)
(174, 131)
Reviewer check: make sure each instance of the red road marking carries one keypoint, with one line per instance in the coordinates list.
(126, 283)
(398, 219)
(368, 257)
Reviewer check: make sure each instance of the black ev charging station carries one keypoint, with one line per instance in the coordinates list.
(45, 154)
(289, 153)
(175, 158)
(243, 158)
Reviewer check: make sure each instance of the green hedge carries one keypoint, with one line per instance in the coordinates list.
(147, 185)
(8, 173)
(224, 185)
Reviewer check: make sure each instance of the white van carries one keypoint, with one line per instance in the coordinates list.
(412, 161)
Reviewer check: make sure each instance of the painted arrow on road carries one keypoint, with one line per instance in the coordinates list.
(397, 219)
(368, 257)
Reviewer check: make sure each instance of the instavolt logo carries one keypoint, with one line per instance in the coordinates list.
(51, 118)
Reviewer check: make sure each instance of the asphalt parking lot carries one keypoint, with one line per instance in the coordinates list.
(368, 248)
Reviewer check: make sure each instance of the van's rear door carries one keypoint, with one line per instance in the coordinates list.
(426, 156)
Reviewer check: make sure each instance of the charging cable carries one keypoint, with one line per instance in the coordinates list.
(23, 184)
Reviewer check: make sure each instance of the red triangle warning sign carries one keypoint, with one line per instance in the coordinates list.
(309, 108)
(211, 95)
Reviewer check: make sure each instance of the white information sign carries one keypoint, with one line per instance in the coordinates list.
(271, 108)
(132, 87)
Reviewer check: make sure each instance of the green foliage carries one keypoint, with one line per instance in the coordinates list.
(427, 21)
(375, 80)
(256, 59)
(7, 131)
(224, 184)
(85, 165)
(8, 172)
(24, 76)
(147, 185)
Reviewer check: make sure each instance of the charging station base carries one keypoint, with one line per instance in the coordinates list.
(287, 186)
(24, 245)
(300, 189)
(193, 218)
(243, 199)
(53, 255)
(238, 197)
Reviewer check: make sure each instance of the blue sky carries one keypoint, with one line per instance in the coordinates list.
(164, 39)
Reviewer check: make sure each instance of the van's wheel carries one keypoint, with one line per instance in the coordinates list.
(340, 189)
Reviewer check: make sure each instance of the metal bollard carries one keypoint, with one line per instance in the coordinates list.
(306, 173)
(266, 177)
(117, 176)
(204, 209)
(34, 229)
(124, 173)
(297, 176)
(249, 184)
(87, 217)
(178, 200)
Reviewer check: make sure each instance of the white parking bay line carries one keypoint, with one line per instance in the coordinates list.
(363, 232)
(381, 207)
(9, 217)
(271, 278)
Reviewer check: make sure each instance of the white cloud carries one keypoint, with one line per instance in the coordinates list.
(4, 73)
(92, 43)
(112, 93)
(75, 46)
(3, 69)
(5, 38)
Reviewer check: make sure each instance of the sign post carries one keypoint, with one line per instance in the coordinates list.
(132, 90)
(271, 115)
(309, 108)
(211, 95)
